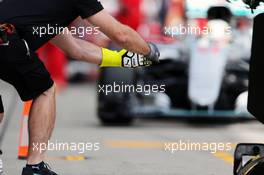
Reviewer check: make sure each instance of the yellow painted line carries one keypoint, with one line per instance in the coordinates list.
(225, 156)
(133, 144)
(69, 158)
(78, 158)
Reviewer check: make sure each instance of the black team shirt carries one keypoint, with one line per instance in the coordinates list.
(28, 16)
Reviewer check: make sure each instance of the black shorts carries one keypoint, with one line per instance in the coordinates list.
(24, 71)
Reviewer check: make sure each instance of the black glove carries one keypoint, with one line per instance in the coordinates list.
(154, 54)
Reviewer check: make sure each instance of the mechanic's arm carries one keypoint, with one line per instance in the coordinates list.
(126, 37)
(78, 49)
(121, 34)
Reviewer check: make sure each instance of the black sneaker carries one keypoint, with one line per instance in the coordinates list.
(42, 169)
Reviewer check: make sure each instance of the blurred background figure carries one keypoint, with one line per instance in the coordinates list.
(243, 36)
(151, 24)
(130, 13)
(174, 12)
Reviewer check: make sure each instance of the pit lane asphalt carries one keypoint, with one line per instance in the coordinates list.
(135, 150)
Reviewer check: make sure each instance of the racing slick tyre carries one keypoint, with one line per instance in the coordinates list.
(114, 105)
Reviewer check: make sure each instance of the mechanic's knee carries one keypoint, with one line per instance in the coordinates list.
(51, 91)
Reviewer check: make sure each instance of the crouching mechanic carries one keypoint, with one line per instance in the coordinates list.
(20, 66)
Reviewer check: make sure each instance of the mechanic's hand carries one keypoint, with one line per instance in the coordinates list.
(129, 59)
(154, 54)
(133, 60)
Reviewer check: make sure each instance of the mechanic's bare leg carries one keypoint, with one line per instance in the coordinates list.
(41, 124)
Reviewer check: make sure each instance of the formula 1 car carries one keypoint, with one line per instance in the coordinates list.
(204, 76)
